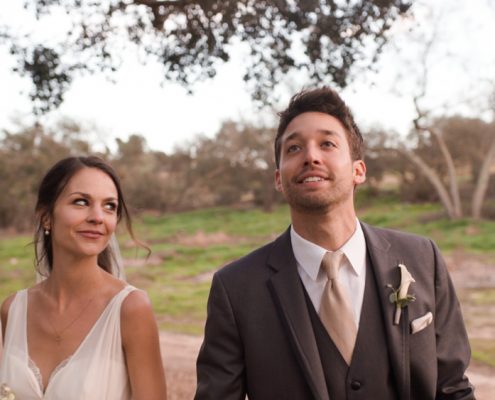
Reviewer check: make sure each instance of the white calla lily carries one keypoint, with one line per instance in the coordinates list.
(400, 297)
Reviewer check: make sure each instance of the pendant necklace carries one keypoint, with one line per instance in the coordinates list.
(58, 333)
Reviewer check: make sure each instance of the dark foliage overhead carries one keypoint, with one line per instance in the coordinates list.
(324, 38)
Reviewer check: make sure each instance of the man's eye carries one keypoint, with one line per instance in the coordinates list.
(293, 148)
(328, 144)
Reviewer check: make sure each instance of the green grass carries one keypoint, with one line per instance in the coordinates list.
(482, 296)
(473, 237)
(483, 350)
(242, 223)
(16, 264)
(187, 248)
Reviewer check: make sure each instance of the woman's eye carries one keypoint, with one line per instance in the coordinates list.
(81, 202)
(111, 206)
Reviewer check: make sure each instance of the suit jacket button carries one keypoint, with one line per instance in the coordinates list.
(355, 385)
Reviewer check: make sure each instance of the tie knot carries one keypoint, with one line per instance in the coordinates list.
(331, 263)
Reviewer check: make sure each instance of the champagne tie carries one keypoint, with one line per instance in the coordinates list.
(335, 309)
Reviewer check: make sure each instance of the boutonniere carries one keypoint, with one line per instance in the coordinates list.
(399, 296)
(6, 393)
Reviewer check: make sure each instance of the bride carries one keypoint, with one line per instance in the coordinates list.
(81, 333)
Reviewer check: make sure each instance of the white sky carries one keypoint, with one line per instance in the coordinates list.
(462, 64)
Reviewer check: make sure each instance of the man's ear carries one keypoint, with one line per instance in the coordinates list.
(359, 172)
(278, 182)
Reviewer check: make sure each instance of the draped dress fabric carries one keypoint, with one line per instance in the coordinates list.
(96, 370)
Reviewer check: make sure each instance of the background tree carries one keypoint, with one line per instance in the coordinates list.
(472, 144)
(427, 147)
(420, 166)
(237, 164)
(142, 172)
(189, 38)
(24, 157)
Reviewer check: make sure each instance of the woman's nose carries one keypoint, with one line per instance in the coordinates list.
(96, 214)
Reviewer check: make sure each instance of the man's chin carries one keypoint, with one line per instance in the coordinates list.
(310, 205)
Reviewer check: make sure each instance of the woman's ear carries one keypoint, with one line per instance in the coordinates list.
(45, 221)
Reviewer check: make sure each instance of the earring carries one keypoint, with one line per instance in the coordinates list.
(46, 232)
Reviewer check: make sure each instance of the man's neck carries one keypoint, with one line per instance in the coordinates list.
(329, 230)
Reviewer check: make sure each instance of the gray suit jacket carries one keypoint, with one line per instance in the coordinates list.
(259, 339)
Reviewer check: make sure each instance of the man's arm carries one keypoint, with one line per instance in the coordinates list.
(453, 351)
(220, 364)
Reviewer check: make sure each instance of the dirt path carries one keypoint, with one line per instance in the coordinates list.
(180, 353)
(179, 357)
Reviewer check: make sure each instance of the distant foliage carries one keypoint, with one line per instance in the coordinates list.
(233, 168)
(24, 158)
(417, 161)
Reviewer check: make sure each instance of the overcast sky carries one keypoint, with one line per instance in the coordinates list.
(461, 65)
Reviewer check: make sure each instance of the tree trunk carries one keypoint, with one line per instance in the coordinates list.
(482, 182)
(434, 179)
(454, 188)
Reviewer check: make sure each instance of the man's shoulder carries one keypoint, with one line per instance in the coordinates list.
(394, 235)
(256, 263)
(254, 259)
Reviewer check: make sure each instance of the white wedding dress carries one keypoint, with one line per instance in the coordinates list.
(96, 370)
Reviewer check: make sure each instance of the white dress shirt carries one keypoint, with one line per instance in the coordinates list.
(352, 274)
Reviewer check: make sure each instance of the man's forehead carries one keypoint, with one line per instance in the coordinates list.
(314, 121)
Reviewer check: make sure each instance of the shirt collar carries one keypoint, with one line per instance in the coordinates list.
(309, 255)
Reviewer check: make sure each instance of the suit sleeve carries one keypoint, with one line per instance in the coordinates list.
(220, 363)
(453, 350)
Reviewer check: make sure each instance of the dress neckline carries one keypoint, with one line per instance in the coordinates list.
(32, 365)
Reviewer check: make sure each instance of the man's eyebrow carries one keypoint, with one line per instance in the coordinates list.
(296, 134)
(291, 136)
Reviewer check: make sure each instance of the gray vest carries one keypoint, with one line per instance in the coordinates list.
(369, 377)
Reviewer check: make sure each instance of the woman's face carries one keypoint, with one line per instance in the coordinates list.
(84, 216)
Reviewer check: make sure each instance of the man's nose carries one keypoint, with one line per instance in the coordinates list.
(312, 155)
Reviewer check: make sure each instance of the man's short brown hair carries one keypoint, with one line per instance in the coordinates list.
(327, 101)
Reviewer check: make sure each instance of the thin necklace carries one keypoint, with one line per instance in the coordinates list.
(58, 333)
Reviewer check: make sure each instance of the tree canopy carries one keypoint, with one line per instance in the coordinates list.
(190, 38)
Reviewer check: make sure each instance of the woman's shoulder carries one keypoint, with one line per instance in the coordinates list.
(135, 302)
(136, 317)
(4, 308)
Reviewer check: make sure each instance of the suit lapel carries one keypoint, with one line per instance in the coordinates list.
(384, 263)
(288, 296)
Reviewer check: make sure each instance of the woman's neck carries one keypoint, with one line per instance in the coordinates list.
(73, 278)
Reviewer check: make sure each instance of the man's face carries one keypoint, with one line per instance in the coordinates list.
(316, 171)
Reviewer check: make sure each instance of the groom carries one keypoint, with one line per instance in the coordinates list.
(310, 315)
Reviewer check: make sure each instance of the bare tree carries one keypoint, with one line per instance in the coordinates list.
(486, 167)
(425, 124)
(449, 197)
